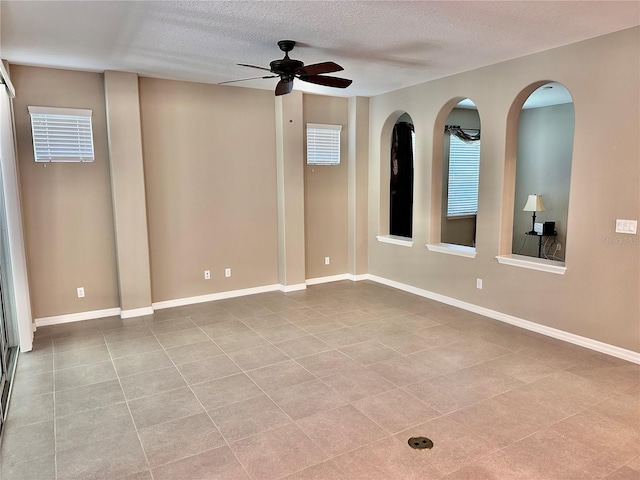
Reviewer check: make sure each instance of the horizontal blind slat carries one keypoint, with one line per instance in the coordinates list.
(59, 137)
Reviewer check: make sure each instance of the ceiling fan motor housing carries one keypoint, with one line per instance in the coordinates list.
(285, 66)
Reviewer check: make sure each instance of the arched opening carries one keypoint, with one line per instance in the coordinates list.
(401, 177)
(452, 225)
(460, 175)
(542, 172)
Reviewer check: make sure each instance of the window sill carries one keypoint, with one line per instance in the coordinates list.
(451, 249)
(541, 264)
(395, 240)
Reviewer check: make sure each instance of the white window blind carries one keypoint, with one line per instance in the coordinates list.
(464, 172)
(323, 144)
(61, 134)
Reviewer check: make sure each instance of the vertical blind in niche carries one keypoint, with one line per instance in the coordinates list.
(401, 189)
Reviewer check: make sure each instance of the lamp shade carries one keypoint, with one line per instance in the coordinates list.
(534, 204)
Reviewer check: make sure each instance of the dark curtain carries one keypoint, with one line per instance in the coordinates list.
(463, 135)
(401, 206)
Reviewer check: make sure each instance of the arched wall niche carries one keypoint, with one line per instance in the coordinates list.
(545, 166)
(385, 169)
(511, 153)
(436, 190)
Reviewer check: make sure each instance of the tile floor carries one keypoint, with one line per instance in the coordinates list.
(324, 384)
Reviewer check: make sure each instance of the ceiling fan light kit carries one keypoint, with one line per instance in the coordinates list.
(289, 69)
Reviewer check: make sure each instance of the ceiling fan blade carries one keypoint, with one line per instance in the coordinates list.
(253, 66)
(318, 68)
(284, 87)
(245, 79)
(327, 81)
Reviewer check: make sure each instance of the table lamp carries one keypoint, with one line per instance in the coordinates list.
(534, 204)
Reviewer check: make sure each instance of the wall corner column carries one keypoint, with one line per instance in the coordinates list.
(358, 180)
(128, 192)
(290, 183)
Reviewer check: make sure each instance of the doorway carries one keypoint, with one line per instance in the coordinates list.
(8, 319)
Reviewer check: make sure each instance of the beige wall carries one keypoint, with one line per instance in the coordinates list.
(68, 219)
(210, 174)
(598, 296)
(325, 194)
(543, 166)
(210, 177)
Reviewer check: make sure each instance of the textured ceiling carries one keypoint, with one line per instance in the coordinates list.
(382, 45)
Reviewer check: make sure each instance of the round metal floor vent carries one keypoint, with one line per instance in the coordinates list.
(420, 443)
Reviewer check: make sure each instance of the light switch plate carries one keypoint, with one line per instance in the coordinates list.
(626, 226)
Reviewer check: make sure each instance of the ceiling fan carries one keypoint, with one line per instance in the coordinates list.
(288, 69)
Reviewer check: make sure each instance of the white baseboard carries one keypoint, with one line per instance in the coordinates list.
(358, 278)
(136, 312)
(296, 287)
(76, 317)
(337, 278)
(179, 302)
(596, 345)
(328, 279)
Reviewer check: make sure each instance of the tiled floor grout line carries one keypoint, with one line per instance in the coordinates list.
(55, 432)
(199, 403)
(501, 448)
(397, 387)
(330, 457)
(126, 401)
(293, 421)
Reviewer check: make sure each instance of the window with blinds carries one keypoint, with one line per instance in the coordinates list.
(323, 144)
(464, 173)
(61, 134)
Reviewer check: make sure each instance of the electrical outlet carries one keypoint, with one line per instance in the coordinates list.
(80, 292)
(207, 274)
(479, 283)
(327, 260)
(626, 226)
(558, 246)
(227, 272)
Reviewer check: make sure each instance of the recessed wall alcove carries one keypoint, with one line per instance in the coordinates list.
(455, 178)
(539, 150)
(397, 145)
